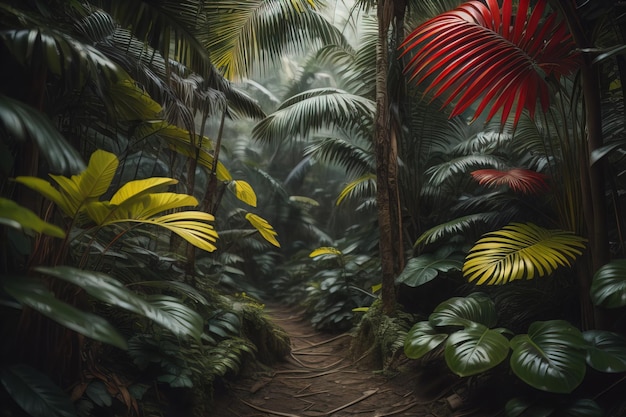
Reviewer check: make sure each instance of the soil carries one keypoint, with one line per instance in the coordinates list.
(319, 379)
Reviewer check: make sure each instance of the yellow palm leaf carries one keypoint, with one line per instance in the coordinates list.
(325, 250)
(244, 192)
(264, 228)
(138, 188)
(520, 251)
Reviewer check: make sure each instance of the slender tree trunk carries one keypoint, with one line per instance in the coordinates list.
(384, 176)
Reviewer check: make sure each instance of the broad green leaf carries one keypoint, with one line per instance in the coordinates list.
(607, 350)
(551, 357)
(23, 218)
(520, 251)
(475, 349)
(137, 188)
(264, 228)
(326, 250)
(524, 407)
(180, 287)
(425, 268)
(608, 288)
(35, 392)
(44, 188)
(23, 122)
(244, 192)
(182, 318)
(111, 291)
(465, 311)
(421, 339)
(35, 295)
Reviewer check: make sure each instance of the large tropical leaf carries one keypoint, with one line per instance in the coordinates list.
(34, 294)
(465, 311)
(608, 288)
(244, 192)
(426, 267)
(421, 339)
(519, 180)
(23, 122)
(245, 33)
(139, 188)
(80, 189)
(607, 350)
(35, 392)
(520, 251)
(495, 56)
(19, 217)
(311, 110)
(168, 312)
(355, 158)
(551, 357)
(551, 407)
(475, 349)
(459, 165)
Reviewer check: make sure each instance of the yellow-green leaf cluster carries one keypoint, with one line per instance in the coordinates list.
(265, 229)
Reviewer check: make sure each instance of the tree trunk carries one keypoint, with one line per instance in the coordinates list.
(383, 149)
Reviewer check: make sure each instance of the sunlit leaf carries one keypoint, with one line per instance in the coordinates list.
(497, 57)
(520, 251)
(326, 250)
(244, 192)
(265, 229)
(137, 188)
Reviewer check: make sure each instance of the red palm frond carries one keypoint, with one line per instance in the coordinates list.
(518, 179)
(482, 53)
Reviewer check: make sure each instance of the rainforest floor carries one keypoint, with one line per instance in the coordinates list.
(320, 379)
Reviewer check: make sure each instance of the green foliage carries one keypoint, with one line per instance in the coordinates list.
(35, 393)
(608, 288)
(426, 267)
(524, 407)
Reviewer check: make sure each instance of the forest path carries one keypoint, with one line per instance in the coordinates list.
(318, 379)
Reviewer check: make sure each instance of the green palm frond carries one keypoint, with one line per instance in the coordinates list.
(461, 165)
(175, 28)
(520, 251)
(461, 225)
(355, 159)
(313, 110)
(245, 33)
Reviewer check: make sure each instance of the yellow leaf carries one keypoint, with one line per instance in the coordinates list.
(376, 288)
(325, 250)
(44, 188)
(244, 192)
(264, 228)
(140, 187)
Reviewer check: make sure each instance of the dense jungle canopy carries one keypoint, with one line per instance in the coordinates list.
(443, 179)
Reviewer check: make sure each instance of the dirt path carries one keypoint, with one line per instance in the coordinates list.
(319, 380)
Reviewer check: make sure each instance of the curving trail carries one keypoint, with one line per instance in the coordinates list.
(319, 380)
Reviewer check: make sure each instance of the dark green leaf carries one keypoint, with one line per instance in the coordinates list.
(421, 339)
(425, 268)
(475, 349)
(166, 311)
(522, 407)
(608, 288)
(35, 295)
(465, 311)
(35, 392)
(97, 392)
(550, 357)
(607, 351)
